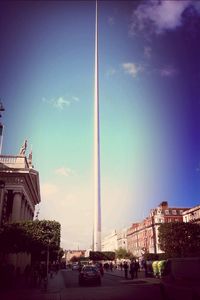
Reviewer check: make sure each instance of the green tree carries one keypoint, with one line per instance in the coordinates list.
(30, 236)
(102, 255)
(74, 259)
(123, 253)
(180, 239)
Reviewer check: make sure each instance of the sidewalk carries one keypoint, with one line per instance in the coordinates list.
(52, 292)
(140, 280)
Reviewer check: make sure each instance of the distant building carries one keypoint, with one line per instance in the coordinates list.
(74, 253)
(143, 236)
(122, 238)
(115, 240)
(19, 194)
(109, 242)
(192, 215)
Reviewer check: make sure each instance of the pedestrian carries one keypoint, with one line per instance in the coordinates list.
(101, 269)
(137, 266)
(125, 270)
(121, 266)
(132, 269)
(145, 268)
(111, 266)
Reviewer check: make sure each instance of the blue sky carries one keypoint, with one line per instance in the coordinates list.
(149, 106)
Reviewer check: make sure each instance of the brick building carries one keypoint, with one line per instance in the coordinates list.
(192, 215)
(143, 236)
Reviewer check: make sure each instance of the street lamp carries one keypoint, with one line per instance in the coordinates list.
(2, 186)
(48, 245)
(1, 127)
(48, 258)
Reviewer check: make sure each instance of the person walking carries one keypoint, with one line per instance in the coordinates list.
(121, 266)
(132, 269)
(101, 269)
(125, 270)
(137, 266)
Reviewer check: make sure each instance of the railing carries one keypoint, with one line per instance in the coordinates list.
(14, 161)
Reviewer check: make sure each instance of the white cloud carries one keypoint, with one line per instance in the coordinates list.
(75, 98)
(132, 69)
(61, 102)
(168, 71)
(64, 171)
(159, 15)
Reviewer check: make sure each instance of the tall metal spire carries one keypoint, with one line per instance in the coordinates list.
(97, 170)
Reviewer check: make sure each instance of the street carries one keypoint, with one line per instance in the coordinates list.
(112, 288)
(64, 286)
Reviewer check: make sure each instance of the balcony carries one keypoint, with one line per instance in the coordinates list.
(13, 162)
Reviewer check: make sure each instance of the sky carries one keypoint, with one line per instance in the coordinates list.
(149, 79)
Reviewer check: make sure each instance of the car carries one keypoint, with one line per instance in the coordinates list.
(89, 274)
(75, 266)
(181, 278)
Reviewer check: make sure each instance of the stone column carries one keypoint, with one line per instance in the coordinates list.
(16, 210)
(28, 212)
(22, 209)
(25, 211)
(1, 203)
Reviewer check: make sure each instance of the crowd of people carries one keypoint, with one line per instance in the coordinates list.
(128, 267)
(34, 275)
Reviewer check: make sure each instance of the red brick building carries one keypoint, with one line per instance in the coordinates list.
(143, 236)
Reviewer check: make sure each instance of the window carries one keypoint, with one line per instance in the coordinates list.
(173, 212)
(167, 211)
(181, 211)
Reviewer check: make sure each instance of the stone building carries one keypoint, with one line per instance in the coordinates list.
(122, 238)
(109, 242)
(19, 191)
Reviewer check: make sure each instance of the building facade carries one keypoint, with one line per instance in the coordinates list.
(143, 236)
(122, 238)
(20, 190)
(19, 194)
(74, 253)
(109, 242)
(192, 215)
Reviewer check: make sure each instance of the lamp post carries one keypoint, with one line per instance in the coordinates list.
(2, 186)
(1, 127)
(48, 258)
(48, 245)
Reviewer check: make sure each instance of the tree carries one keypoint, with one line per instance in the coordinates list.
(74, 259)
(179, 239)
(123, 253)
(102, 255)
(30, 236)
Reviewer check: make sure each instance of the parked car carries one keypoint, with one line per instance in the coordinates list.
(89, 274)
(181, 279)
